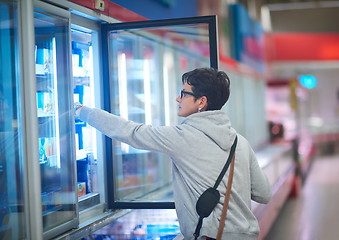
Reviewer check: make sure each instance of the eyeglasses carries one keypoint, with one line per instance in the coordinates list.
(183, 93)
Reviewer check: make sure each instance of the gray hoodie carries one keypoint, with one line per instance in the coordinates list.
(198, 148)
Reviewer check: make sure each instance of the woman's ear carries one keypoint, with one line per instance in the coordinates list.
(203, 103)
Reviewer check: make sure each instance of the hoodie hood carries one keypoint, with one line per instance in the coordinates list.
(214, 124)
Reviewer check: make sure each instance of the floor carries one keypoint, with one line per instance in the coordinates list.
(314, 215)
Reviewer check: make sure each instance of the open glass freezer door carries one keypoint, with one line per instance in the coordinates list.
(142, 67)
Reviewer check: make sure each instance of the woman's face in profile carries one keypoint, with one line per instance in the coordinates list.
(187, 104)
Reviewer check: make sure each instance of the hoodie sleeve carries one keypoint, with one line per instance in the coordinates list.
(138, 135)
(260, 187)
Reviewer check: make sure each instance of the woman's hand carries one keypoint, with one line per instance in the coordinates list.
(77, 108)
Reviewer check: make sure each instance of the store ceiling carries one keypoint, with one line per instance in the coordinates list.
(299, 16)
(294, 1)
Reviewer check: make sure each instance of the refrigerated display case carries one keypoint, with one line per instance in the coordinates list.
(12, 202)
(54, 112)
(85, 135)
(143, 64)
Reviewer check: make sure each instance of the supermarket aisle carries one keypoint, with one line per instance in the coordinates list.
(314, 215)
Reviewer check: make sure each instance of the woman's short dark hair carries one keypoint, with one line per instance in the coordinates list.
(209, 82)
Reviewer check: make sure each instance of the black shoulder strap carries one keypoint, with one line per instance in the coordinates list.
(227, 163)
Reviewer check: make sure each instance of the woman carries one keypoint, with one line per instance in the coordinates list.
(198, 148)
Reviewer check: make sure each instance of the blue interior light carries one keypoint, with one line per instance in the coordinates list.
(307, 81)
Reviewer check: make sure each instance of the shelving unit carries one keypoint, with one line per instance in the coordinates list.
(85, 137)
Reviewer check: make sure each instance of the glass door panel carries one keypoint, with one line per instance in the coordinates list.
(143, 63)
(12, 209)
(54, 103)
